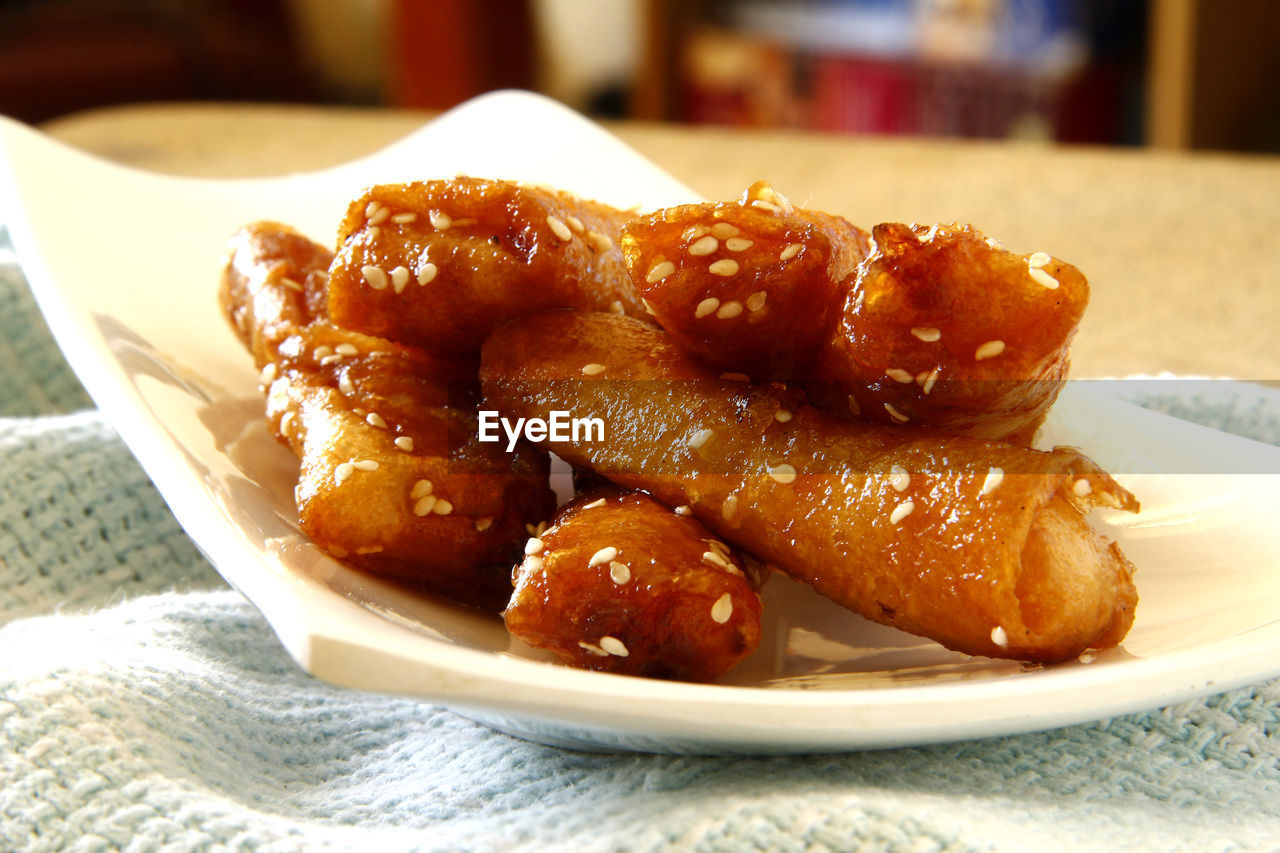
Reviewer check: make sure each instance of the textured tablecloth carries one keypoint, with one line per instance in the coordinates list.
(145, 705)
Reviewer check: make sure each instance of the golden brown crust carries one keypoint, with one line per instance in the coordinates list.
(911, 528)
(438, 264)
(621, 583)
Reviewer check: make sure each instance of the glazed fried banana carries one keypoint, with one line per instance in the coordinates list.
(623, 584)
(438, 264)
(942, 328)
(392, 478)
(981, 546)
(748, 287)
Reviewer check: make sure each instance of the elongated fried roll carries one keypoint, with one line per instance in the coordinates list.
(623, 584)
(981, 546)
(943, 328)
(749, 287)
(392, 477)
(438, 264)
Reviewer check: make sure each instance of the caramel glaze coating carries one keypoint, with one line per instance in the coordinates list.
(473, 253)
(942, 328)
(948, 552)
(341, 400)
(777, 292)
(672, 602)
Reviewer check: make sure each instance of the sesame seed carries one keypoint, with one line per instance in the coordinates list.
(604, 555)
(706, 307)
(533, 546)
(483, 524)
(268, 373)
(575, 223)
(342, 472)
(929, 381)
(724, 267)
(724, 230)
(738, 244)
(899, 478)
(613, 646)
(595, 503)
(704, 246)
(291, 284)
(599, 242)
(700, 438)
(559, 229)
(540, 528)
(718, 546)
(722, 609)
(420, 489)
(1000, 637)
(375, 277)
(854, 408)
(693, 232)
(783, 473)
(619, 573)
(330, 359)
(593, 369)
(683, 510)
(365, 464)
(928, 334)
(346, 349)
(897, 374)
(373, 231)
(379, 215)
(592, 648)
(782, 416)
(790, 252)
(374, 419)
(530, 529)
(286, 424)
(440, 220)
(729, 507)
(995, 476)
(616, 307)
(399, 278)
(990, 349)
(901, 511)
(345, 385)
(735, 377)
(766, 205)
(729, 310)
(442, 507)
(371, 208)
(405, 443)
(1081, 487)
(404, 218)
(368, 549)
(1039, 259)
(715, 558)
(895, 414)
(428, 273)
(756, 300)
(648, 306)
(1042, 278)
(1109, 499)
(659, 271)
(532, 564)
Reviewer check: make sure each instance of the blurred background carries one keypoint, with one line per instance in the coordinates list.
(1169, 73)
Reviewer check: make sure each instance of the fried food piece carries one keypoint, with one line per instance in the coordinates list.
(393, 479)
(981, 546)
(748, 287)
(439, 264)
(942, 328)
(623, 584)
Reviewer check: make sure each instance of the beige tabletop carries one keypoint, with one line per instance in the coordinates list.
(1181, 250)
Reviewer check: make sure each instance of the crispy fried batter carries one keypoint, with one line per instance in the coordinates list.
(438, 264)
(392, 477)
(621, 583)
(751, 286)
(943, 328)
(979, 545)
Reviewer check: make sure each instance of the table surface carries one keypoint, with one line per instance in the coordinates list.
(1180, 249)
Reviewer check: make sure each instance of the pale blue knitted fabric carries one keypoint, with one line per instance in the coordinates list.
(145, 706)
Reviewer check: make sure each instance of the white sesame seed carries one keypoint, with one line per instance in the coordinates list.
(718, 546)
(595, 503)
(424, 505)
(929, 381)
(575, 223)
(286, 424)
(901, 511)
(990, 349)
(724, 267)
(559, 229)
(365, 464)
(371, 208)
(1081, 487)
(1109, 499)
(706, 307)
(790, 251)
(729, 507)
(1000, 637)
(533, 546)
(995, 476)
(724, 230)
(374, 419)
(428, 273)
(729, 310)
(421, 489)
(722, 609)
(440, 220)
(783, 473)
(404, 218)
(738, 244)
(613, 646)
(899, 478)
(895, 414)
(1039, 259)
(700, 438)
(342, 472)
(405, 443)
(540, 529)
(442, 507)
(928, 334)
(483, 524)
(735, 377)
(659, 271)
(375, 277)
(532, 564)
(291, 284)
(268, 373)
(619, 573)
(330, 359)
(715, 558)
(693, 232)
(782, 416)
(379, 215)
(756, 300)
(592, 648)
(373, 231)
(345, 385)
(593, 369)
(683, 510)
(704, 246)
(1042, 278)
(648, 306)
(604, 555)
(897, 374)
(599, 242)
(369, 549)
(346, 349)
(399, 278)
(765, 205)
(854, 408)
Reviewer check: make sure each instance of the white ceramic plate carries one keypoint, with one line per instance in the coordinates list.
(125, 265)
